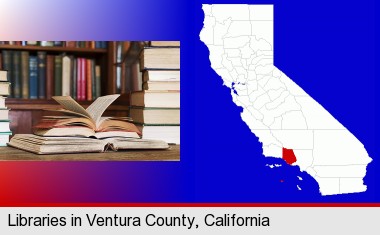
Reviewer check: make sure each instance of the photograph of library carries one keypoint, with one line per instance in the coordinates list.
(90, 100)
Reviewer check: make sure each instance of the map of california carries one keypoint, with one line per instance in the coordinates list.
(288, 122)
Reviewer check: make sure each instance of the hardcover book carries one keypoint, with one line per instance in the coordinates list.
(33, 77)
(53, 145)
(163, 58)
(41, 60)
(25, 74)
(3, 76)
(157, 99)
(16, 73)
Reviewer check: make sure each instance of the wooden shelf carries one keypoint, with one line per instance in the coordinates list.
(54, 49)
(42, 104)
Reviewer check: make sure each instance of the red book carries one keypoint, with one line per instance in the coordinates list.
(70, 44)
(49, 76)
(79, 82)
(84, 78)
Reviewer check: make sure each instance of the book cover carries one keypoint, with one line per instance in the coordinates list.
(16, 73)
(89, 79)
(98, 80)
(41, 60)
(7, 63)
(25, 74)
(49, 76)
(73, 77)
(58, 75)
(33, 77)
(66, 80)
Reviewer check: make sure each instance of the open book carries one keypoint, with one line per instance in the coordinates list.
(56, 145)
(77, 121)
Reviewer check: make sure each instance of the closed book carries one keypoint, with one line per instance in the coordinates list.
(156, 99)
(169, 134)
(4, 114)
(161, 75)
(84, 79)
(3, 76)
(163, 58)
(7, 63)
(164, 43)
(89, 79)
(98, 80)
(33, 77)
(93, 79)
(66, 79)
(46, 43)
(5, 89)
(79, 79)
(25, 74)
(73, 77)
(4, 126)
(32, 43)
(58, 75)
(4, 138)
(155, 116)
(41, 60)
(161, 86)
(58, 43)
(2, 102)
(98, 44)
(49, 76)
(16, 84)
(70, 43)
(1, 61)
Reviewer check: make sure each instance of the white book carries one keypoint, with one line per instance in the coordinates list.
(66, 64)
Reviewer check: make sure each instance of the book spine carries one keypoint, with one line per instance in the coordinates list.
(79, 80)
(58, 75)
(16, 74)
(89, 79)
(93, 79)
(74, 78)
(7, 65)
(98, 44)
(70, 44)
(84, 78)
(33, 77)
(32, 43)
(25, 74)
(98, 81)
(66, 76)
(49, 76)
(1, 61)
(58, 43)
(41, 56)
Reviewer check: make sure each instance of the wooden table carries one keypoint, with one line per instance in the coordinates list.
(172, 154)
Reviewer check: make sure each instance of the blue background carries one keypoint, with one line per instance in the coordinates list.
(328, 48)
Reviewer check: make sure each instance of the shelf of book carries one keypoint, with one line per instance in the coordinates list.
(43, 104)
(55, 49)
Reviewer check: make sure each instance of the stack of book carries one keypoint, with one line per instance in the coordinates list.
(156, 109)
(41, 76)
(5, 132)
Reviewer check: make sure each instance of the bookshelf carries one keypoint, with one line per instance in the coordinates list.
(27, 112)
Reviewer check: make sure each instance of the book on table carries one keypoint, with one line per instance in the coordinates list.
(83, 130)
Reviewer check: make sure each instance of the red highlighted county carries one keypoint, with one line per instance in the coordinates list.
(288, 156)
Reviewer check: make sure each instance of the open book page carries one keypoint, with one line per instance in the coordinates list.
(97, 108)
(70, 104)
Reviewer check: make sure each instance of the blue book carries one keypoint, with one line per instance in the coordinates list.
(98, 44)
(41, 60)
(33, 77)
